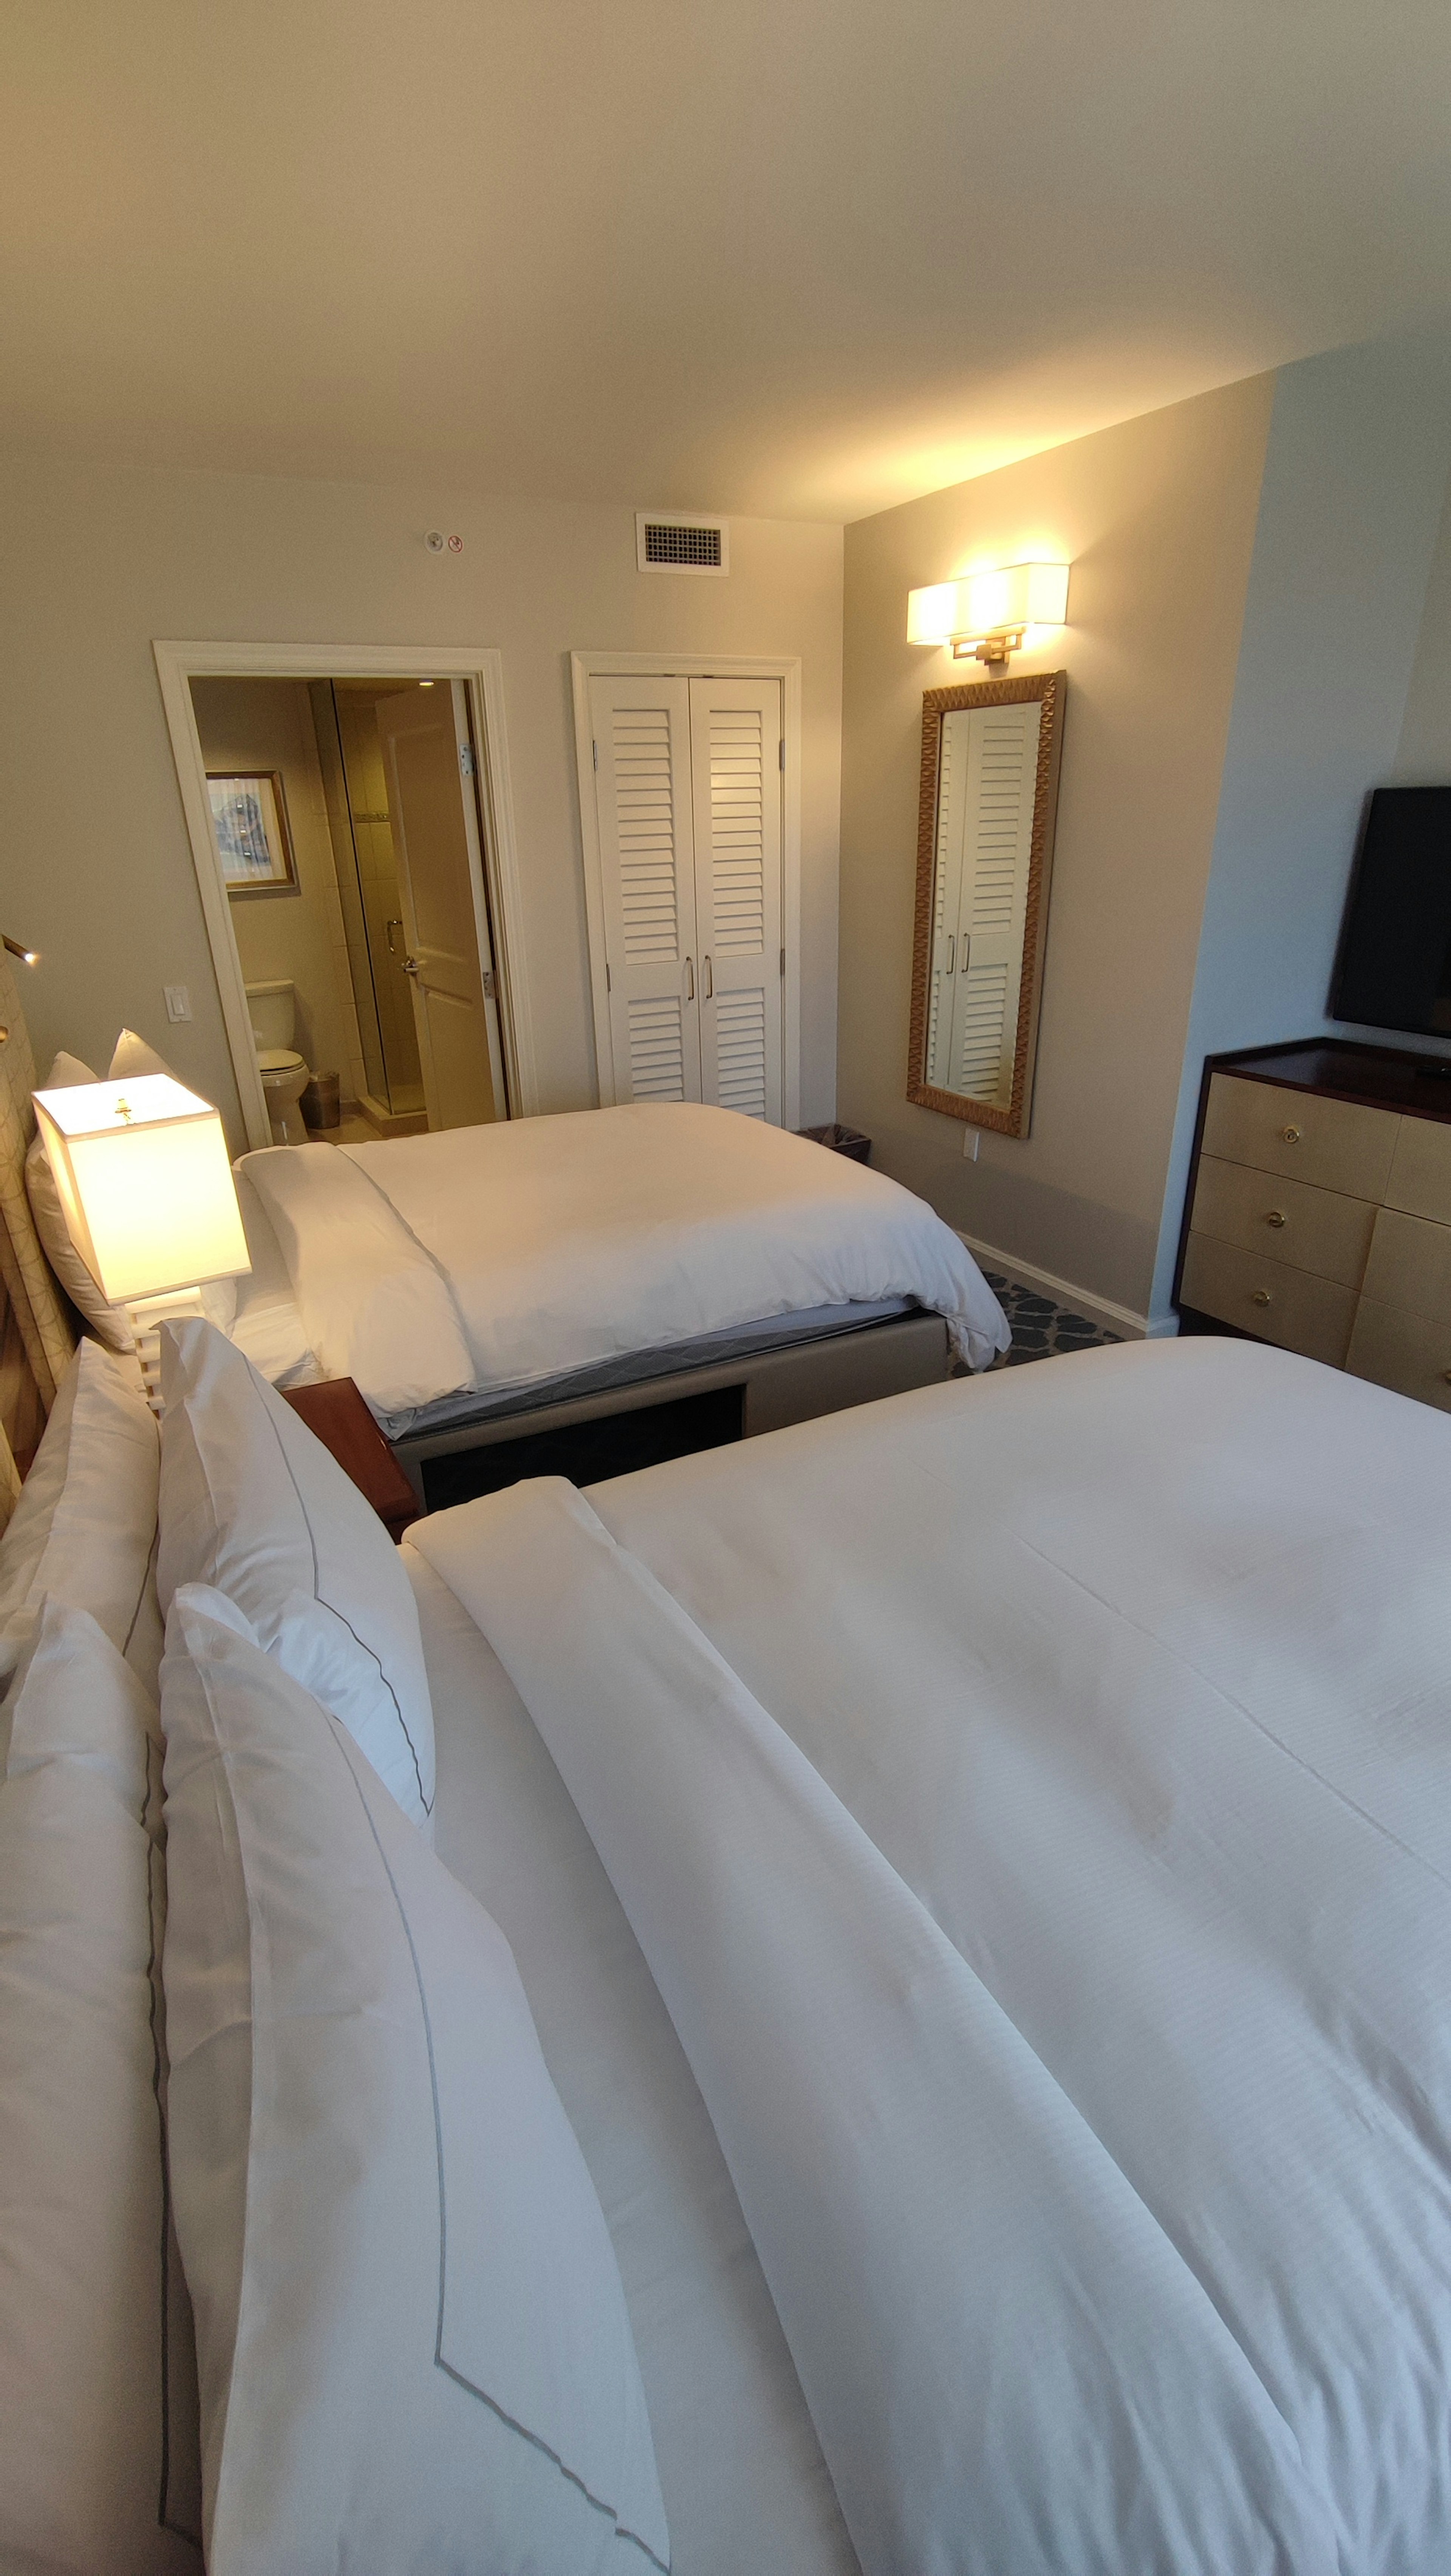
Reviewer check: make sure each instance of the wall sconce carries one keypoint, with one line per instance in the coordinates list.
(27, 957)
(989, 615)
(142, 1173)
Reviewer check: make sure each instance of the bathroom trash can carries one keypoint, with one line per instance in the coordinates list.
(837, 1140)
(319, 1103)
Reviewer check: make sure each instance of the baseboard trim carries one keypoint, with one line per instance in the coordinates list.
(1064, 1292)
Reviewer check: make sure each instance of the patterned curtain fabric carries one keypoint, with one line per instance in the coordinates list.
(9, 1481)
(45, 1328)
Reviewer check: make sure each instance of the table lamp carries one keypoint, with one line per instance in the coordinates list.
(142, 1173)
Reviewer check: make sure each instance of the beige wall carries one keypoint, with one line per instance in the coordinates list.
(95, 866)
(267, 724)
(1157, 518)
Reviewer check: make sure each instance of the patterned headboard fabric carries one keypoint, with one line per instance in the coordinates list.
(38, 1327)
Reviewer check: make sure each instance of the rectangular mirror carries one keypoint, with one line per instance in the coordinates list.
(984, 858)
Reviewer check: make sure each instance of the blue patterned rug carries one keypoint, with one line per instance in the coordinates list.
(1041, 1329)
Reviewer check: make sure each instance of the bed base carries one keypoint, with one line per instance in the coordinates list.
(762, 1391)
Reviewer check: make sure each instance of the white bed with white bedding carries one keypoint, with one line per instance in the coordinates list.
(1033, 1800)
(450, 1271)
(971, 2051)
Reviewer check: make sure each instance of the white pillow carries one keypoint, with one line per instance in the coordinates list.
(84, 1528)
(352, 2058)
(253, 1503)
(105, 1320)
(131, 1055)
(99, 2451)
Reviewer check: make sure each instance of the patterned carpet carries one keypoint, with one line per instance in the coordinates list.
(1041, 1329)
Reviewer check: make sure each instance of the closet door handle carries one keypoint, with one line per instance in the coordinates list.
(388, 929)
(951, 952)
(966, 950)
(690, 979)
(709, 981)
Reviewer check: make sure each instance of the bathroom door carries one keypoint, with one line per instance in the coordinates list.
(429, 760)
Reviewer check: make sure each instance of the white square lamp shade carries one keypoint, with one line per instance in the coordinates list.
(142, 1172)
(1011, 599)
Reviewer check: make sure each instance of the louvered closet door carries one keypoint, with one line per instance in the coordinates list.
(990, 831)
(641, 734)
(735, 737)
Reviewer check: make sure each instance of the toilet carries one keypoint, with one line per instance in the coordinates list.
(273, 1009)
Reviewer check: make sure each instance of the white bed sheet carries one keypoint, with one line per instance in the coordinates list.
(498, 1258)
(744, 2482)
(1132, 1674)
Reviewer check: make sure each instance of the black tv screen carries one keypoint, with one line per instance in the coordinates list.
(1395, 951)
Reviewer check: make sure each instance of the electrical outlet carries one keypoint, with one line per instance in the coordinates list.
(971, 1139)
(178, 1001)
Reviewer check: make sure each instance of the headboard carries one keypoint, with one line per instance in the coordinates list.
(37, 1336)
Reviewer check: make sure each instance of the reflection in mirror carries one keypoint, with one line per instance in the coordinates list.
(989, 785)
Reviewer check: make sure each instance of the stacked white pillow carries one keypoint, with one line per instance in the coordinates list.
(253, 1504)
(84, 1528)
(413, 2341)
(98, 2397)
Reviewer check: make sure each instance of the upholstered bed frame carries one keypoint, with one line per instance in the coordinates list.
(37, 1333)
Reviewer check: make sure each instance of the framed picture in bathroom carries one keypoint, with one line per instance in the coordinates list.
(249, 818)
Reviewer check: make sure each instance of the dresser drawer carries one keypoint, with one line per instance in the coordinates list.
(1319, 1230)
(1281, 1305)
(1411, 1353)
(1420, 1179)
(1410, 1265)
(1333, 1144)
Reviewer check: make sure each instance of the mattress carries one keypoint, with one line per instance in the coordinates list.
(496, 1259)
(268, 1326)
(632, 1368)
(1033, 1798)
(743, 2478)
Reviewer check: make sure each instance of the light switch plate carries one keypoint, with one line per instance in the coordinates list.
(178, 1001)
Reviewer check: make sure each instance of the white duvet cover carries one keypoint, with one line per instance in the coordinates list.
(1034, 1801)
(494, 1258)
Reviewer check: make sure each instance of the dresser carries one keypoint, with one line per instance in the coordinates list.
(1319, 1210)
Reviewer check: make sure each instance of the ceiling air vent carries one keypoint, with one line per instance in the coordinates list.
(676, 541)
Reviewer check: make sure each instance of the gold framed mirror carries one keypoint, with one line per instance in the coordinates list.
(990, 756)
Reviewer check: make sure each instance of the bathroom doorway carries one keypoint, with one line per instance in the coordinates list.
(349, 862)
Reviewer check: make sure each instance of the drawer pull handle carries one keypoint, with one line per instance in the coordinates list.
(1275, 1217)
(1260, 1297)
(1291, 1135)
(1446, 1376)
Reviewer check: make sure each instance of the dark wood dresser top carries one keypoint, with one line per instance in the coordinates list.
(1342, 1068)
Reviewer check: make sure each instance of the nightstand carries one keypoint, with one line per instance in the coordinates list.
(335, 1412)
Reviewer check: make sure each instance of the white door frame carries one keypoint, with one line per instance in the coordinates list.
(695, 666)
(481, 670)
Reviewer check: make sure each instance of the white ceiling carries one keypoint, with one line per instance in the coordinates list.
(797, 257)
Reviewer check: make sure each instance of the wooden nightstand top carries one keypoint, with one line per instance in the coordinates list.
(335, 1412)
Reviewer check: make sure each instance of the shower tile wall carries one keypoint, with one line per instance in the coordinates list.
(371, 1080)
(378, 880)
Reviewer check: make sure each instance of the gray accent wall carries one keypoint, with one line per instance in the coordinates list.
(1354, 482)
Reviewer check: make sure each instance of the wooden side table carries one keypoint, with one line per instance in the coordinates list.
(335, 1412)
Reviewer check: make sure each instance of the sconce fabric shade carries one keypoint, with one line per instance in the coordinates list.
(988, 603)
(142, 1172)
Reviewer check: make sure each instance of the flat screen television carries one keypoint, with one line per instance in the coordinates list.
(1394, 970)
